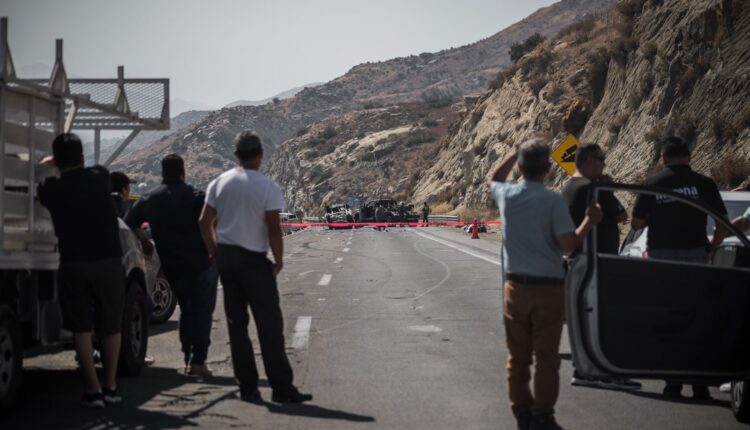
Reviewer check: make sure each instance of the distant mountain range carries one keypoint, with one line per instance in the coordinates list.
(280, 96)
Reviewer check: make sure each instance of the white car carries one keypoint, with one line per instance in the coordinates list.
(737, 202)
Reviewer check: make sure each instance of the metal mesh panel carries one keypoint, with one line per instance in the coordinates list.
(145, 98)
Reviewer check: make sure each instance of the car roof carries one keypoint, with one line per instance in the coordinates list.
(735, 196)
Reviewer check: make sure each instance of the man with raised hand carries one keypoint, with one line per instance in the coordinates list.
(537, 230)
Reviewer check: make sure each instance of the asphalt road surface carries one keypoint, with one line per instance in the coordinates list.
(389, 330)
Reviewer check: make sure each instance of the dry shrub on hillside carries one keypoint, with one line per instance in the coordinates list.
(630, 8)
(744, 121)
(537, 65)
(691, 74)
(519, 49)
(504, 76)
(598, 67)
(537, 84)
(576, 116)
(555, 92)
(656, 133)
(731, 171)
(649, 51)
(621, 48)
(616, 125)
(579, 30)
(683, 125)
(723, 129)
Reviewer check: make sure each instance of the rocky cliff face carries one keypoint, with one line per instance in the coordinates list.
(367, 154)
(447, 74)
(623, 80)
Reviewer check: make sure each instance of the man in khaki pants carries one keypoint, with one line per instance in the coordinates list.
(537, 230)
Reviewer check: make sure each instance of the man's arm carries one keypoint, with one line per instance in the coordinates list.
(275, 239)
(207, 223)
(571, 241)
(502, 172)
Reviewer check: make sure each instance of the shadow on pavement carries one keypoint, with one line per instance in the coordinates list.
(167, 326)
(684, 400)
(313, 411)
(50, 399)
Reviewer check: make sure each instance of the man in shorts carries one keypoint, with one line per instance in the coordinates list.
(90, 276)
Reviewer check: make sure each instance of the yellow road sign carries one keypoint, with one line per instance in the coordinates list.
(565, 154)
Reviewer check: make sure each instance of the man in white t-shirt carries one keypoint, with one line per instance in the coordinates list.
(240, 221)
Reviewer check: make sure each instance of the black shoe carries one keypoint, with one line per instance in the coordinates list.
(111, 395)
(93, 401)
(254, 398)
(523, 419)
(292, 396)
(544, 422)
(672, 391)
(700, 392)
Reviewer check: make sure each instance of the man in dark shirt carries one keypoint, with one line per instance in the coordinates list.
(589, 169)
(120, 192)
(172, 210)
(91, 275)
(677, 231)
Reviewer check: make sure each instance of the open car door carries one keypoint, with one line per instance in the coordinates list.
(630, 316)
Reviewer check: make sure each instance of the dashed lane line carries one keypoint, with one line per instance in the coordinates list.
(301, 336)
(339, 260)
(345, 250)
(459, 248)
(325, 280)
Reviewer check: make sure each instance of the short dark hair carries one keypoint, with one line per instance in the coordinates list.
(533, 157)
(119, 181)
(67, 150)
(585, 151)
(172, 167)
(674, 147)
(247, 145)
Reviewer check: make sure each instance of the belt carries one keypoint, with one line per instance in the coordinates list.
(523, 279)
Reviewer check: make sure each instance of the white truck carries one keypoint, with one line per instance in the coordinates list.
(32, 113)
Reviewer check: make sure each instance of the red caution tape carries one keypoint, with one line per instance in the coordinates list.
(387, 224)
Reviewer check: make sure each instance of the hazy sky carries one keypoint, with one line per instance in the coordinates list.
(218, 51)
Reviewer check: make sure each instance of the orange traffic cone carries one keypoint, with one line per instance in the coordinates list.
(475, 230)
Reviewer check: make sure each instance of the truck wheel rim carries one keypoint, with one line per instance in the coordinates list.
(7, 355)
(161, 296)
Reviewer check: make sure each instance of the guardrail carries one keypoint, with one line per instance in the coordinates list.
(443, 218)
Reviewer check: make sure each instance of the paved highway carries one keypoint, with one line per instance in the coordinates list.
(389, 330)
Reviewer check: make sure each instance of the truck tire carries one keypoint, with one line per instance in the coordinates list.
(11, 358)
(740, 402)
(134, 331)
(164, 300)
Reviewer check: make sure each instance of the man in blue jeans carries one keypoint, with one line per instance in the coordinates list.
(172, 210)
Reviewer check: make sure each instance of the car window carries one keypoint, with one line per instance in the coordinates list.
(734, 209)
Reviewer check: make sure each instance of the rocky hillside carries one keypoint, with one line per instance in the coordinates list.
(623, 80)
(370, 153)
(450, 73)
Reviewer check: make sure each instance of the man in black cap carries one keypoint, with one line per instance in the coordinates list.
(91, 276)
(240, 221)
(120, 192)
(677, 231)
(172, 210)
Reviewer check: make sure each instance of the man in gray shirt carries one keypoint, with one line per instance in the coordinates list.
(537, 230)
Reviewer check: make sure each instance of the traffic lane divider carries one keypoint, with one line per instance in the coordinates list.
(389, 224)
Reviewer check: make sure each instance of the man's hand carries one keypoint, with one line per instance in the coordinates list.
(277, 267)
(48, 161)
(594, 212)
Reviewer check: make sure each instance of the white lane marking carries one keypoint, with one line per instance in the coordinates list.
(325, 280)
(426, 328)
(301, 333)
(349, 243)
(345, 250)
(459, 248)
(339, 260)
